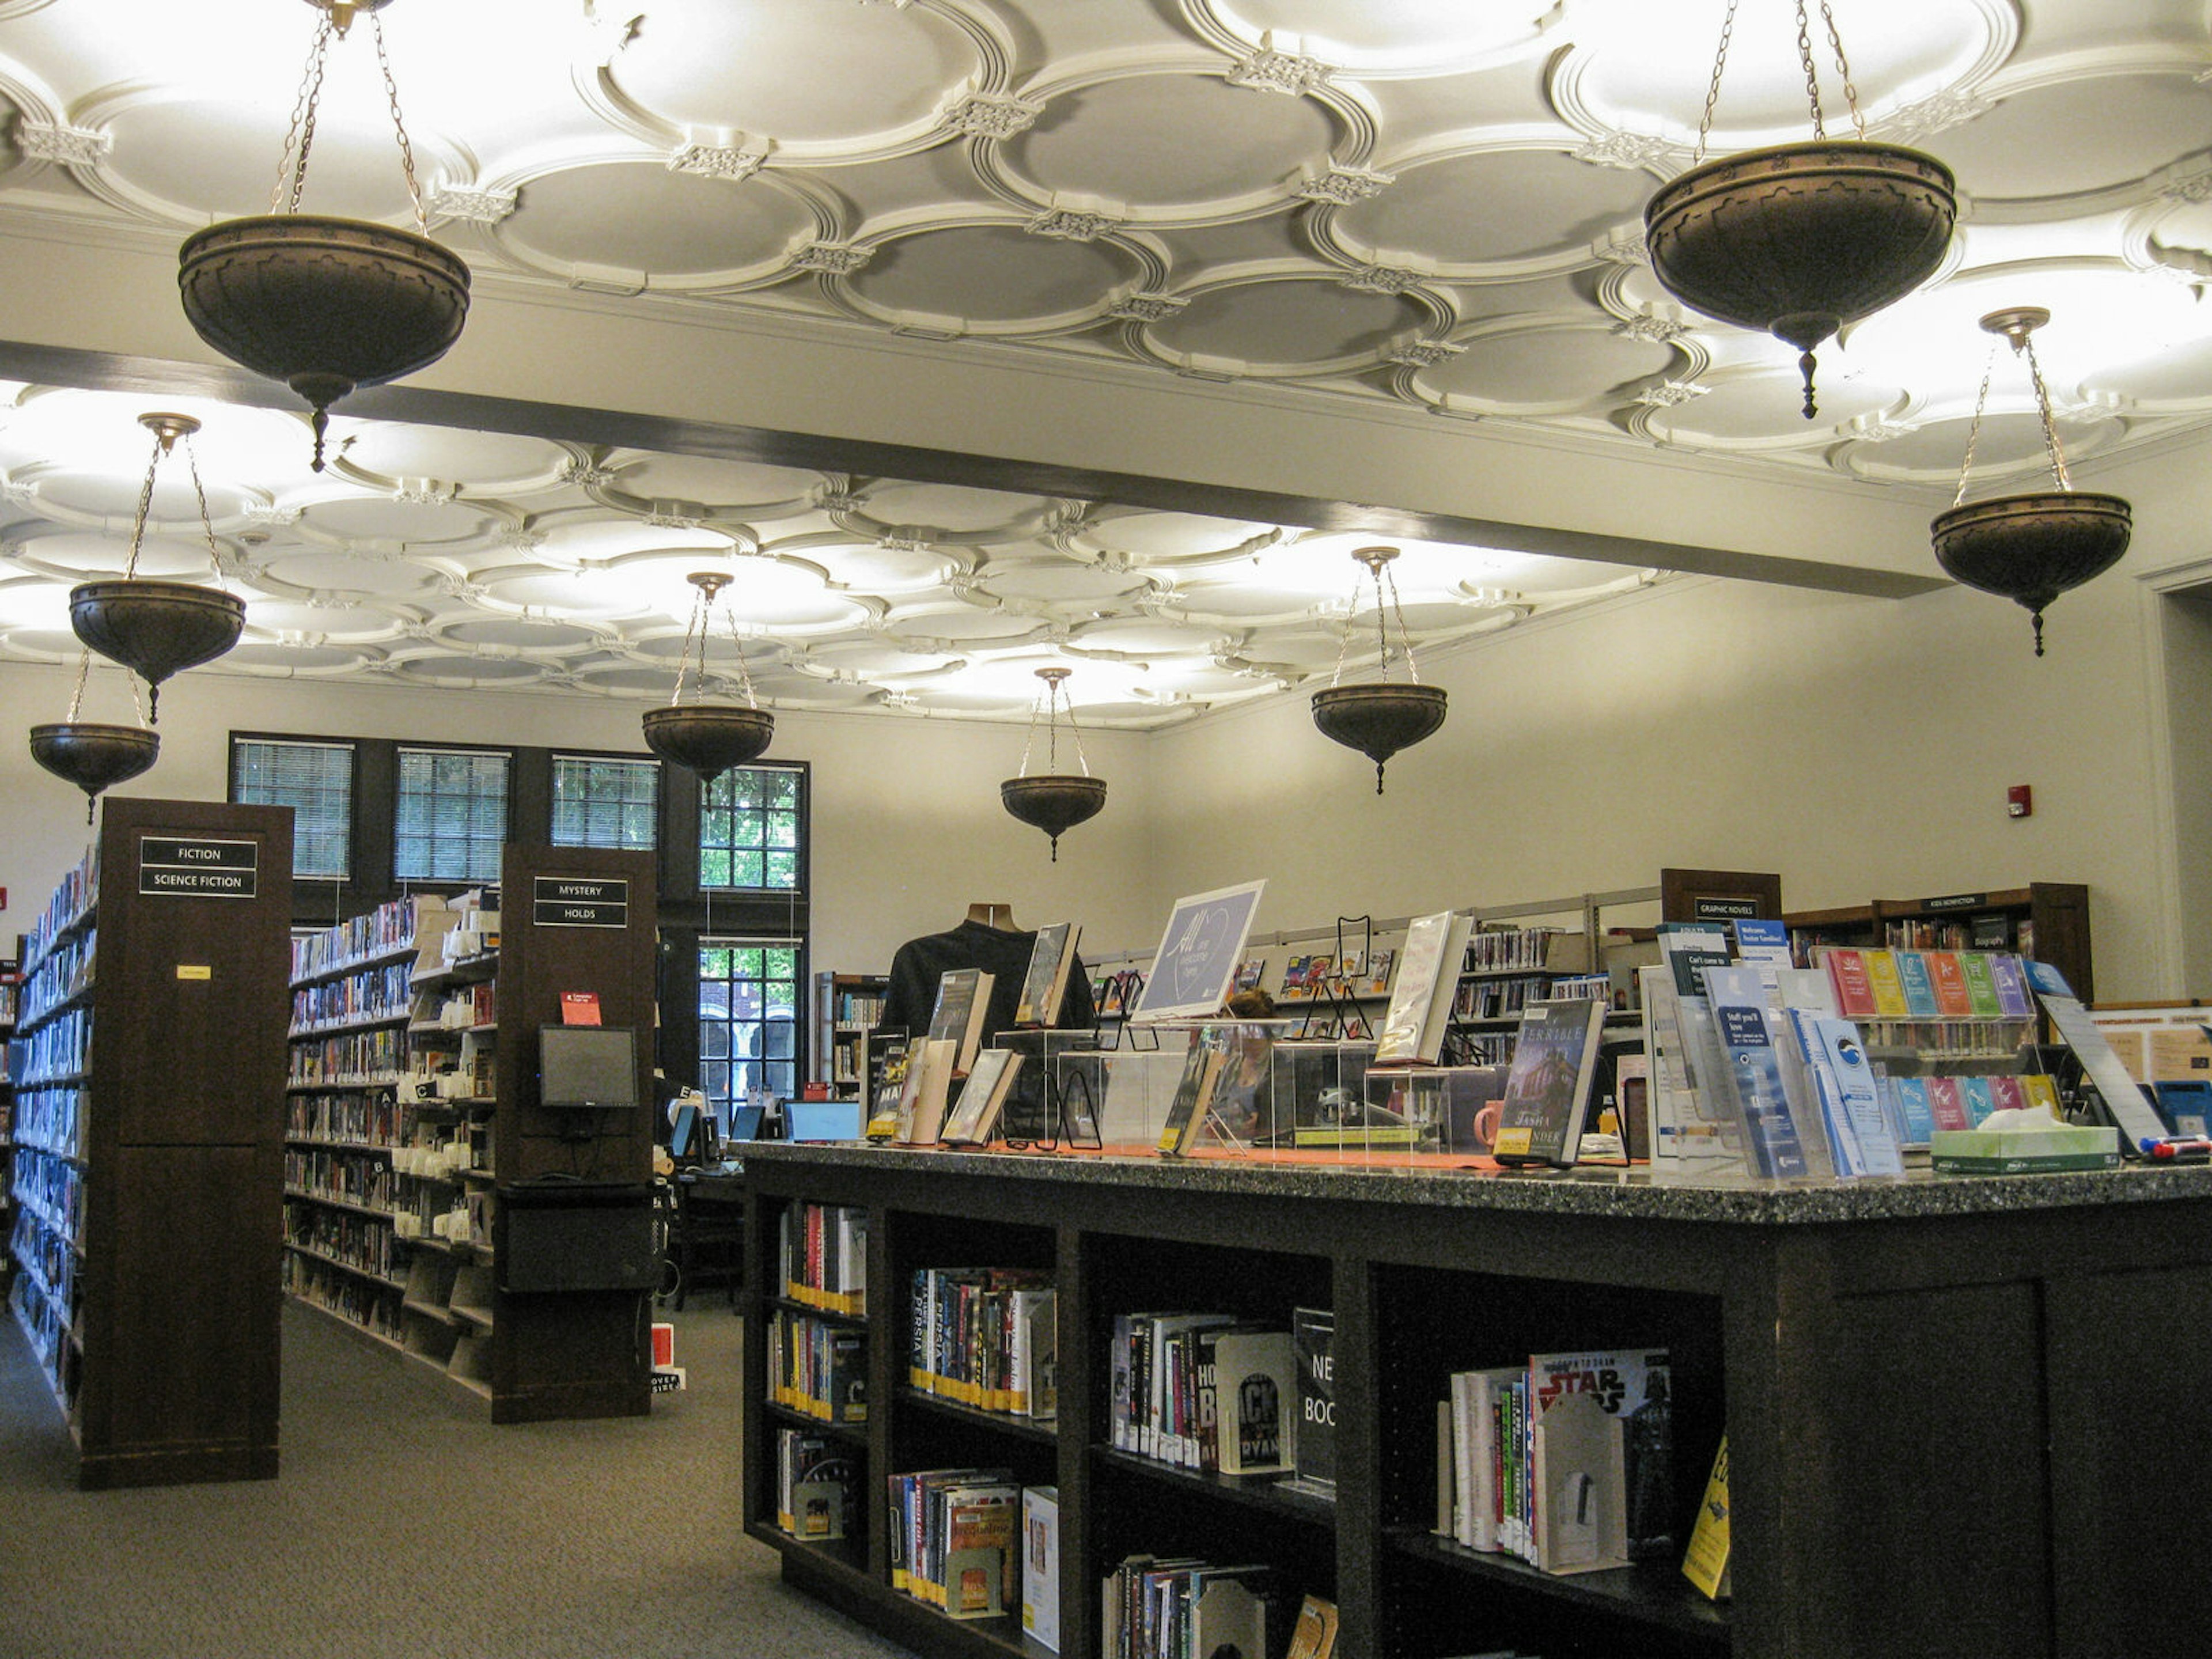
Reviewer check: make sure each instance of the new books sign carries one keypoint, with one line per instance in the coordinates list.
(579, 902)
(171, 867)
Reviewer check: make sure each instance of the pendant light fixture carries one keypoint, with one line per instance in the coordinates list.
(1379, 719)
(92, 755)
(708, 738)
(2032, 547)
(1799, 240)
(157, 628)
(323, 304)
(1051, 800)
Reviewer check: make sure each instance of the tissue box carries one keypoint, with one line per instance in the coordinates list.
(2024, 1151)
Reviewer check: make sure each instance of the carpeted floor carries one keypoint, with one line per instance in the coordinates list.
(404, 1526)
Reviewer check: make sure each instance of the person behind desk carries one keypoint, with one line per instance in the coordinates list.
(1242, 1103)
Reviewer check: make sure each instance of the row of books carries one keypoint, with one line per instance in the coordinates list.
(52, 1120)
(365, 1120)
(65, 907)
(816, 1485)
(822, 1256)
(864, 1009)
(359, 1241)
(64, 974)
(46, 1325)
(373, 994)
(44, 1255)
(1983, 932)
(986, 1337)
(388, 928)
(371, 1056)
(1927, 985)
(1498, 999)
(53, 1187)
(952, 1540)
(1355, 973)
(1203, 1391)
(1504, 950)
(375, 1307)
(1565, 1461)
(471, 1004)
(59, 1049)
(350, 1177)
(817, 1367)
(1174, 1607)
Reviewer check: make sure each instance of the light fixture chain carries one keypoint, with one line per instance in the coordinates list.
(1713, 91)
(1812, 75)
(2043, 409)
(1036, 707)
(696, 624)
(1843, 69)
(1381, 622)
(207, 524)
(744, 673)
(145, 506)
(1974, 431)
(1405, 636)
(406, 149)
(1076, 732)
(83, 674)
(1344, 636)
(302, 132)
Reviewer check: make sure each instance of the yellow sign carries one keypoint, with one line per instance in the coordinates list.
(194, 971)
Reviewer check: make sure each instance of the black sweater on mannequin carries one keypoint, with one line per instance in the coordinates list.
(919, 964)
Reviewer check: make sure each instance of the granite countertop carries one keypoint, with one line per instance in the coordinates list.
(1626, 1192)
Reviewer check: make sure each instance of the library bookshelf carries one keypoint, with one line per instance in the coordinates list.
(148, 1145)
(847, 1007)
(1926, 1388)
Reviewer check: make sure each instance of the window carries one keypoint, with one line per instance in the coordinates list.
(315, 780)
(604, 803)
(749, 829)
(451, 818)
(748, 1019)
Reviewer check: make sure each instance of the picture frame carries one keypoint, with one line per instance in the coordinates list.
(1199, 953)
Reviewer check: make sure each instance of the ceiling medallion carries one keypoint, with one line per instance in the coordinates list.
(2030, 547)
(1379, 719)
(1798, 240)
(323, 304)
(158, 628)
(1051, 800)
(705, 738)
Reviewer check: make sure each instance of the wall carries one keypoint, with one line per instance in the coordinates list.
(1860, 747)
(908, 827)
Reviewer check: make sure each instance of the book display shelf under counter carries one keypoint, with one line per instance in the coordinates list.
(149, 1163)
(1929, 1390)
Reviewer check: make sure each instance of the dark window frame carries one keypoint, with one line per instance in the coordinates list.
(509, 829)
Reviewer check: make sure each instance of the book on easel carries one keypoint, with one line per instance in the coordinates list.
(1705, 1562)
(928, 1081)
(1547, 1088)
(1045, 985)
(964, 996)
(975, 1116)
(1428, 979)
(1194, 1097)
(1315, 1635)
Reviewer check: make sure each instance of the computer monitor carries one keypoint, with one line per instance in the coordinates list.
(822, 1119)
(587, 1067)
(745, 1122)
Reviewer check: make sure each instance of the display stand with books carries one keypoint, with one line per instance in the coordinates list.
(1804, 1323)
(149, 1161)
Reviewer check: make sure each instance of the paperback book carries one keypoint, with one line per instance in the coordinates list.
(1421, 1001)
(964, 996)
(1547, 1087)
(1045, 984)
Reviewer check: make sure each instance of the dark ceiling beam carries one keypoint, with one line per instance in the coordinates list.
(109, 372)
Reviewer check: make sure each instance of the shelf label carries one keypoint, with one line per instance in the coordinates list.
(194, 971)
(1711, 908)
(579, 901)
(1956, 902)
(170, 867)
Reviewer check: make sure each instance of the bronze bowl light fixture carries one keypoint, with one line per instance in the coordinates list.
(157, 628)
(2030, 547)
(89, 754)
(706, 737)
(1051, 800)
(1380, 718)
(324, 304)
(1799, 239)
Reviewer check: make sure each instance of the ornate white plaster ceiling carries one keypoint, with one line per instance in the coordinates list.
(1425, 203)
